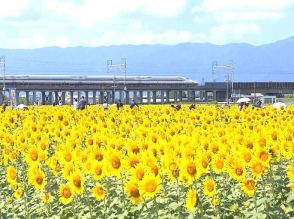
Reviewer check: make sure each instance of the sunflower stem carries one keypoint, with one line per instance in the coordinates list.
(75, 208)
(122, 190)
(255, 203)
(141, 210)
(156, 207)
(105, 207)
(178, 191)
(89, 203)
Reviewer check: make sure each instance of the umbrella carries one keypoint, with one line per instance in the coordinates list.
(243, 100)
(22, 106)
(279, 105)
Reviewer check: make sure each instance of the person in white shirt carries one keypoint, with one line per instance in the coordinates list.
(76, 104)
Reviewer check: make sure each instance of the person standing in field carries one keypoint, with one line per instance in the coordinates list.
(133, 104)
(75, 104)
(82, 103)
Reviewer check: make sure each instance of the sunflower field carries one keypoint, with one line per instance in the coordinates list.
(147, 162)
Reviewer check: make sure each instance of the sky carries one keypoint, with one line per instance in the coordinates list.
(28, 24)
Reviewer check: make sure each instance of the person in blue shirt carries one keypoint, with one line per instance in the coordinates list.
(133, 104)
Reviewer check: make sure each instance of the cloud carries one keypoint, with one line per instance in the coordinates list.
(224, 5)
(225, 33)
(95, 11)
(244, 10)
(62, 41)
(13, 8)
(236, 20)
(39, 40)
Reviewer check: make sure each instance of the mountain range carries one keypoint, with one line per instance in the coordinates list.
(270, 62)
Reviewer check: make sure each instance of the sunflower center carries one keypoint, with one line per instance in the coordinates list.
(140, 174)
(151, 186)
(173, 166)
(214, 149)
(220, 164)
(134, 191)
(250, 184)
(39, 180)
(154, 169)
(98, 171)
(22, 139)
(100, 191)
(239, 171)
(99, 156)
(191, 169)
(247, 157)
(12, 174)
(257, 168)
(115, 162)
(66, 193)
(262, 142)
(90, 141)
(210, 187)
(67, 157)
(204, 163)
(43, 146)
(34, 155)
(135, 150)
(77, 181)
(263, 156)
(134, 162)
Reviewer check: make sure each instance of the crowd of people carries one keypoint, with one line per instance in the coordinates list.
(80, 104)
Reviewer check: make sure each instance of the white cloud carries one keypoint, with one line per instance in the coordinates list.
(62, 41)
(264, 5)
(244, 10)
(225, 33)
(13, 8)
(236, 20)
(39, 40)
(94, 11)
(163, 7)
(250, 16)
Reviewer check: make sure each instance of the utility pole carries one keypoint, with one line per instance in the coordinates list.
(123, 68)
(213, 69)
(109, 67)
(2, 66)
(124, 65)
(229, 75)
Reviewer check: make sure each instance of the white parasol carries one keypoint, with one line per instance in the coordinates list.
(22, 106)
(279, 105)
(243, 100)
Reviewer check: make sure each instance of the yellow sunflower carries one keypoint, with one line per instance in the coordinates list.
(47, 198)
(65, 194)
(191, 199)
(115, 163)
(257, 168)
(77, 182)
(249, 186)
(18, 193)
(36, 178)
(139, 171)
(33, 156)
(150, 186)
(209, 187)
(290, 172)
(133, 192)
(98, 171)
(11, 175)
(98, 192)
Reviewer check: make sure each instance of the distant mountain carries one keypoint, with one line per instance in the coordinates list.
(270, 62)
